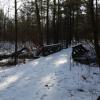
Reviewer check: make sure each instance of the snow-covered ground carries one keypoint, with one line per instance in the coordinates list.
(54, 77)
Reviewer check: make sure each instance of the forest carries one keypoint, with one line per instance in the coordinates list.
(50, 22)
(49, 49)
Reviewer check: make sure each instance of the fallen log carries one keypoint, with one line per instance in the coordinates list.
(20, 54)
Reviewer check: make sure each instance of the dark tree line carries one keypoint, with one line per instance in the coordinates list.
(53, 21)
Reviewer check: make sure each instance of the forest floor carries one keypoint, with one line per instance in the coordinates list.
(55, 77)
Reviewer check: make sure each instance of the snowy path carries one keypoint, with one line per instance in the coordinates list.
(50, 78)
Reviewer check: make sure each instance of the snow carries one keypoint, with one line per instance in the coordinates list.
(9, 47)
(54, 77)
(52, 45)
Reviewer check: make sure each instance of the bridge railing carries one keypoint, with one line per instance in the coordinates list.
(50, 49)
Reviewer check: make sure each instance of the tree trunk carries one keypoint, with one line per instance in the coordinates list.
(94, 20)
(70, 23)
(16, 37)
(47, 28)
(58, 21)
(40, 36)
(54, 22)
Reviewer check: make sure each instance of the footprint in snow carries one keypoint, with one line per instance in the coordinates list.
(43, 96)
(49, 85)
(60, 81)
(37, 93)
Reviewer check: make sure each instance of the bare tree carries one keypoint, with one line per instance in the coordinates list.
(47, 29)
(54, 21)
(16, 33)
(94, 19)
(39, 24)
